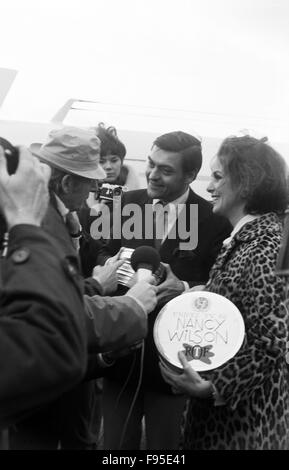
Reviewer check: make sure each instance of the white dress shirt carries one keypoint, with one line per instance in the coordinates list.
(173, 211)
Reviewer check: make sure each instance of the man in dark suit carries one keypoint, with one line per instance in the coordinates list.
(189, 245)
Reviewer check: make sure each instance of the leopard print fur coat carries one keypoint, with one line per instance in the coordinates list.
(254, 384)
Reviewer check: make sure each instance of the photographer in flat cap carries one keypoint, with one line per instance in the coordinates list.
(42, 331)
(112, 322)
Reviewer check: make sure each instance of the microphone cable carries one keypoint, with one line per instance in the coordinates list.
(134, 397)
(120, 394)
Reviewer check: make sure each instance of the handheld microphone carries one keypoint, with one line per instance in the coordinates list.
(145, 260)
(282, 265)
(108, 358)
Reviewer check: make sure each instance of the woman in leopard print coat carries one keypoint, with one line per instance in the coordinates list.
(250, 409)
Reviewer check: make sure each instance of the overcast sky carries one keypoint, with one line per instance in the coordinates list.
(224, 61)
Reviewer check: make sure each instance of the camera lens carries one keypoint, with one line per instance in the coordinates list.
(11, 154)
(117, 192)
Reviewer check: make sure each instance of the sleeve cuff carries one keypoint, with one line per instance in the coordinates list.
(141, 305)
(218, 399)
(104, 360)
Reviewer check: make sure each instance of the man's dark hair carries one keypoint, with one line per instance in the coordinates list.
(186, 145)
(110, 143)
(257, 171)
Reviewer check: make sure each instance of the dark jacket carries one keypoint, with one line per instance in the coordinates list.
(110, 323)
(42, 330)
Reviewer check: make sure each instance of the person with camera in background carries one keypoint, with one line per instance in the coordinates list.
(120, 177)
(112, 156)
(43, 339)
(112, 322)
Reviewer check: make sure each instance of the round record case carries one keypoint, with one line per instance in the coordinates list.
(206, 326)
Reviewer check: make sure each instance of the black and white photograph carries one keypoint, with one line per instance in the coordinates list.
(144, 228)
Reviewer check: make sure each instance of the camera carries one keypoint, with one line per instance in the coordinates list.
(11, 154)
(108, 192)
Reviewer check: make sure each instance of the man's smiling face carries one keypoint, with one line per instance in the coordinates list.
(166, 179)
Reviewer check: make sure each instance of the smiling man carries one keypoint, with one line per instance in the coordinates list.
(167, 178)
(173, 164)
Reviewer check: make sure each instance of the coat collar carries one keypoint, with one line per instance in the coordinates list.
(255, 229)
(269, 224)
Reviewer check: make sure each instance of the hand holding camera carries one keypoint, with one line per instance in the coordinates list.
(23, 186)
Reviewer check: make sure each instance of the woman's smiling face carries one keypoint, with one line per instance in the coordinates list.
(226, 199)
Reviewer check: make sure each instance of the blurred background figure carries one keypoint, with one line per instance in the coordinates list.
(244, 404)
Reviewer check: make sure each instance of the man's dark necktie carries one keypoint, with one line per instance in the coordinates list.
(160, 219)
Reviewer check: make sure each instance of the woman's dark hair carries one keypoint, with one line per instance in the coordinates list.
(110, 143)
(258, 172)
(188, 146)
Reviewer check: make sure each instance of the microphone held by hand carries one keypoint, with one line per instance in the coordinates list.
(145, 260)
(107, 359)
